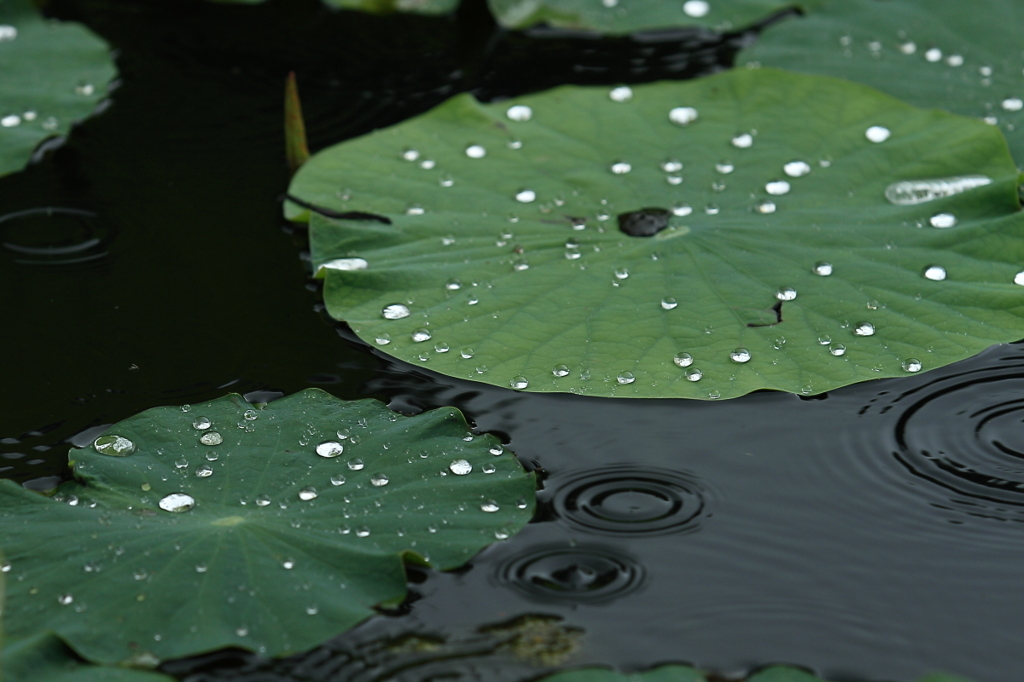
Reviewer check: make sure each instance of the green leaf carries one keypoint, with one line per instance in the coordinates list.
(428, 7)
(664, 673)
(54, 74)
(628, 16)
(536, 294)
(296, 150)
(282, 549)
(962, 57)
(44, 658)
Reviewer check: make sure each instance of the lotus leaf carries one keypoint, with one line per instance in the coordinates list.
(383, 6)
(54, 74)
(664, 673)
(271, 529)
(701, 239)
(628, 16)
(962, 57)
(44, 658)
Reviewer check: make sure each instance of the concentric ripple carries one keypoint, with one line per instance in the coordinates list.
(53, 236)
(589, 574)
(629, 500)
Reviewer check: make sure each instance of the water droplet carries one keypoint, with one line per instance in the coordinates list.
(489, 506)
(872, 305)
(933, 54)
(520, 264)
(908, 192)
(345, 264)
(250, 415)
(777, 187)
(308, 493)
(671, 165)
(211, 438)
(383, 339)
(785, 294)
(526, 196)
(65, 599)
(379, 480)
(837, 349)
(942, 220)
(519, 382)
(625, 378)
(201, 424)
(410, 154)
(985, 71)
(496, 450)
(1018, 279)
(797, 168)
(355, 464)
(682, 116)
(1012, 104)
(935, 273)
(822, 268)
(519, 113)
(10, 121)
(955, 60)
(415, 209)
(863, 329)
(177, 502)
(481, 369)
(262, 500)
(711, 209)
(560, 371)
(694, 374)
(877, 134)
(446, 181)
(116, 446)
(204, 471)
(466, 353)
(908, 47)
(288, 564)
(824, 339)
(766, 206)
(441, 347)
(475, 151)
(488, 468)
(7, 32)
(620, 167)
(668, 303)
(683, 359)
(696, 8)
(420, 335)
(181, 463)
(85, 89)
(395, 311)
(740, 355)
(623, 93)
(743, 141)
(460, 467)
(312, 609)
(674, 179)
(911, 365)
(362, 532)
(427, 164)
(724, 167)
(337, 479)
(621, 273)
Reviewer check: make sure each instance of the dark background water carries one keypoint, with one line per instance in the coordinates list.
(873, 533)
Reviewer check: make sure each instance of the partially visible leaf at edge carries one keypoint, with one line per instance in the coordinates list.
(381, 6)
(296, 149)
(283, 548)
(44, 658)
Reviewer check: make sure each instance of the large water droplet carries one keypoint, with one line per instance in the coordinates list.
(933, 54)
(395, 311)
(7, 32)
(356, 464)
(911, 365)
(1013, 104)
(526, 196)
(863, 329)
(942, 220)
(519, 113)
(683, 359)
(935, 273)
(475, 151)
(489, 506)
(460, 467)
(201, 424)
(623, 93)
(694, 374)
(777, 187)
(822, 268)
(740, 355)
(682, 116)
(625, 378)
(796, 169)
(204, 471)
(671, 165)
(420, 335)
(908, 192)
(330, 449)
(345, 264)
(177, 502)
(211, 438)
(560, 371)
(785, 294)
(116, 446)
(837, 349)
(410, 154)
(877, 134)
(308, 493)
(696, 8)
(519, 383)
(1019, 278)
(668, 303)
(681, 210)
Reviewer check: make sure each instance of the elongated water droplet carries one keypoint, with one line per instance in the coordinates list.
(743, 141)
(785, 294)
(345, 264)
(696, 8)
(724, 167)
(935, 273)
(822, 268)
(395, 311)
(211, 438)
(908, 192)
(1013, 104)
(519, 113)
(460, 467)
(362, 532)
(796, 169)
(177, 502)
(415, 209)
(475, 151)
(308, 493)
(683, 359)
(262, 500)
(682, 116)
(519, 383)
(942, 220)
(911, 365)
(115, 446)
(621, 167)
(671, 165)
(7, 32)
(1018, 279)
(877, 134)
(489, 506)
(740, 355)
(777, 187)
(863, 329)
(623, 93)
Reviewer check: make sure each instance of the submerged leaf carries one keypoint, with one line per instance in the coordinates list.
(962, 57)
(510, 259)
(270, 529)
(53, 75)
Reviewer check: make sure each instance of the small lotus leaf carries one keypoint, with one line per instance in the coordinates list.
(223, 526)
(628, 16)
(53, 75)
(508, 242)
(44, 658)
(961, 56)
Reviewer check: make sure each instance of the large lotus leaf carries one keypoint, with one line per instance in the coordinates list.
(53, 74)
(628, 16)
(664, 673)
(961, 56)
(547, 293)
(44, 658)
(254, 540)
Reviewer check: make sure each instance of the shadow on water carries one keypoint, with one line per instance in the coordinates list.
(874, 531)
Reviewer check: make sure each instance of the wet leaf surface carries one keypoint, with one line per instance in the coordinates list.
(821, 234)
(269, 529)
(44, 658)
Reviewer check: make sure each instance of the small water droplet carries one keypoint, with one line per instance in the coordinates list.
(724, 167)
(177, 502)
(711, 209)
(116, 446)
(740, 355)
(955, 60)
(681, 210)
(785, 294)
(863, 329)
(872, 305)
(308, 493)
(355, 464)
(395, 311)
(796, 169)
(65, 599)
(877, 134)
(933, 54)
(460, 467)
(420, 335)
(623, 93)
(337, 479)
(822, 268)
(383, 339)
(621, 273)
(674, 179)
(362, 532)
(415, 209)
(312, 609)
(620, 167)
(625, 378)
(7, 32)
(520, 264)
(911, 365)
(777, 187)
(694, 374)
(10, 121)
(743, 141)
(942, 220)
(262, 500)
(201, 424)
(475, 151)
(837, 349)
(683, 359)
(908, 47)
(519, 113)
(379, 480)
(211, 438)
(766, 206)
(410, 154)
(446, 180)
(85, 89)
(288, 564)
(671, 165)
(526, 196)
(427, 164)
(1012, 104)
(481, 369)
(466, 353)
(489, 506)
(519, 382)
(682, 116)
(935, 273)
(204, 471)
(668, 303)
(1018, 279)
(824, 339)
(560, 371)
(696, 8)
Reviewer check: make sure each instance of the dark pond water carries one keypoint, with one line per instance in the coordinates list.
(873, 533)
